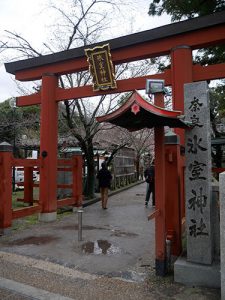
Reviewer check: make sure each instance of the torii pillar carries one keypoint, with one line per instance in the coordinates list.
(160, 192)
(182, 72)
(48, 148)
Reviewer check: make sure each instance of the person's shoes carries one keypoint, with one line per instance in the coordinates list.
(146, 204)
(104, 207)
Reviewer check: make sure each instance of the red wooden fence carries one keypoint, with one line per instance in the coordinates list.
(7, 162)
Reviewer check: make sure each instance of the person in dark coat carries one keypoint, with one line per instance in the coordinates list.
(104, 177)
(149, 174)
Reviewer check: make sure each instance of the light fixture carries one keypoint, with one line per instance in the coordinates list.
(154, 86)
(12, 102)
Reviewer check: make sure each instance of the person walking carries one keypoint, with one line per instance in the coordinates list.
(149, 175)
(104, 176)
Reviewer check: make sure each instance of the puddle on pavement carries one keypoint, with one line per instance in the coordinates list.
(34, 240)
(100, 247)
(120, 233)
(84, 227)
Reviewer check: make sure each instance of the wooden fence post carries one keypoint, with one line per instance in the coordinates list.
(5, 186)
(28, 185)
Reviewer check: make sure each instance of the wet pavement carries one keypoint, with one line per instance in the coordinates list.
(114, 259)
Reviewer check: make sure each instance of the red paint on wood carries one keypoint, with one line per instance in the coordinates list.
(210, 72)
(49, 143)
(181, 67)
(124, 85)
(25, 211)
(196, 39)
(153, 215)
(173, 202)
(28, 185)
(66, 201)
(5, 189)
(18, 162)
(160, 225)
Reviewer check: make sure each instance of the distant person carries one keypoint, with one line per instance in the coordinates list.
(104, 177)
(141, 172)
(149, 175)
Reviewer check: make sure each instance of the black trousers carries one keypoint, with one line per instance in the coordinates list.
(150, 190)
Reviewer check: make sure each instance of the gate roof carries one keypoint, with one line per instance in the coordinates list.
(137, 113)
(163, 32)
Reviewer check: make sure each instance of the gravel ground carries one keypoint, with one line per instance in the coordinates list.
(96, 287)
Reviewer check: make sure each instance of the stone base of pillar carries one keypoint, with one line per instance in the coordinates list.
(47, 217)
(194, 274)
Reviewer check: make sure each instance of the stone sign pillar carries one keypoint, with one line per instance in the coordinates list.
(198, 173)
(222, 233)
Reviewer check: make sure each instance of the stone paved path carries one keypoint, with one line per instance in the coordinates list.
(114, 260)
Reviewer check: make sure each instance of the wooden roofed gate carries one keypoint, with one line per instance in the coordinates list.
(177, 40)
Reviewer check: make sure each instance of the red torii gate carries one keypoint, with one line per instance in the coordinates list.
(177, 40)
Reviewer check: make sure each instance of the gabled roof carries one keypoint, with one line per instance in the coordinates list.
(137, 113)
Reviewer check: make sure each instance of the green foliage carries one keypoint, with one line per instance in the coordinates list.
(30, 111)
(8, 118)
(15, 203)
(24, 223)
(217, 102)
(179, 9)
(15, 121)
(210, 56)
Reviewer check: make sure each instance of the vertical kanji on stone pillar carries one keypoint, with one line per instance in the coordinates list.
(198, 173)
(5, 186)
(48, 147)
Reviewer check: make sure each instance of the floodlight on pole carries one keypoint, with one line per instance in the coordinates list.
(12, 104)
(154, 86)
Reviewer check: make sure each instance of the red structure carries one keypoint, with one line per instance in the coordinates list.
(136, 113)
(7, 161)
(177, 40)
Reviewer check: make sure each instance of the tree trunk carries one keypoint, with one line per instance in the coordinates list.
(89, 190)
(137, 163)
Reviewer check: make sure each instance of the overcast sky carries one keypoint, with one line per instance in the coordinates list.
(30, 18)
